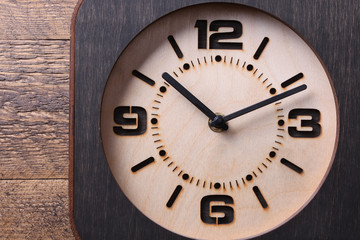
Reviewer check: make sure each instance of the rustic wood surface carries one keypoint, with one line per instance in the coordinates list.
(34, 119)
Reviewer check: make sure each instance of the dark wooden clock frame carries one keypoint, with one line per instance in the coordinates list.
(102, 29)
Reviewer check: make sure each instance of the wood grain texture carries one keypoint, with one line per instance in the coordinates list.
(34, 108)
(225, 81)
(34, 113)
(38, 19)
(330, 26)
(34, 209)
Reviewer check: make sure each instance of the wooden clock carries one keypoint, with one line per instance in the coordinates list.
(216, 121)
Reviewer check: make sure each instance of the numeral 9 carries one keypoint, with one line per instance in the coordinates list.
(131, 120)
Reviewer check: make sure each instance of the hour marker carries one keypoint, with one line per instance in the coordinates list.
(261, 47)
(260, 197)
(142, 164)
(175, 46)
(174, 195)
(292, 80)
(141, 76)
(291, 165)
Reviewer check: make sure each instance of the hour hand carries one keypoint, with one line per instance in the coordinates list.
(189, 96)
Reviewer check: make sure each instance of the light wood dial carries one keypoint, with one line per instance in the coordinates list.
(227, 184)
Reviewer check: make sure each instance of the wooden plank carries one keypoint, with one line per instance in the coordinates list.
(36, 209)
(34, 108)
(38, 19)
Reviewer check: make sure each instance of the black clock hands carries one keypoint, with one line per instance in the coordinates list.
(219, 121)
(189, 96)
(261, 104)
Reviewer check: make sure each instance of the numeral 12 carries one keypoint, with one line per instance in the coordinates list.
(215, 37)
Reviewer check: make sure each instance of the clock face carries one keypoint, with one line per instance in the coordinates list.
(218, 121)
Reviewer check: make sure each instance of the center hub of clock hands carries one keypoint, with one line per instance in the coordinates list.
(218, 124)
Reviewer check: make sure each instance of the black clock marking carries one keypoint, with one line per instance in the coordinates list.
(142, 164)
(218, 58)
(250, 67)
(260, 197)
(261, 48)
(217, 185)
(174, 195)
(186, 66)
(291, 165)
(130, 126)
(249, 177)
(292, 80)
(185, 176)
(281, 122)
(141, 76)
(175, 46)
(162, 153)
(154, 121)
(206, 208)
(272, 91)
(215, 38)
(272, 154)
(162, 89)
(313, 123)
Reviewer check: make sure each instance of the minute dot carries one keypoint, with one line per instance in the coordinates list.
(217, 185)
(281, 122)
(186, 66)
(272, 154)
(162, 153)
(185, 176)
(250, 67)
(249, 177)
(272, 91)
(154, 121)
(162, 89)
(218, 58)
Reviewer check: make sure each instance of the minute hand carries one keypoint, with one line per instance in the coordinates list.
(264, 103)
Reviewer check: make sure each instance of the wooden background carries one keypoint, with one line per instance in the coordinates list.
(34, 114)
(34, 118)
